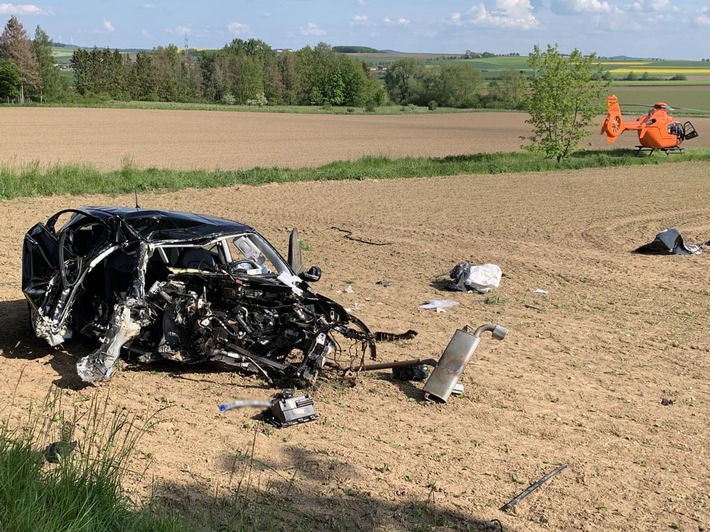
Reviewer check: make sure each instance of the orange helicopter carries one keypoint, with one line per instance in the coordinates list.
(656, 129)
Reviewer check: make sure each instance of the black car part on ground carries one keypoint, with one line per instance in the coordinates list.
(184, 287)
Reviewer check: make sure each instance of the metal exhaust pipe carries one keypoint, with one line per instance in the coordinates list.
(457, 354)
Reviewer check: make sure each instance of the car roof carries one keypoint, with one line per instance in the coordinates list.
(156, 224)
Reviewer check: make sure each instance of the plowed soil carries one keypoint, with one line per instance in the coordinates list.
(607, 371)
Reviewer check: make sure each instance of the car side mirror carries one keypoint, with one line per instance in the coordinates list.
(294, 252)
(312, 275)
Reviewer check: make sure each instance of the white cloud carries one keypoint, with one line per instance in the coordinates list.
(514, 14)
(702, 18)
(21, 9)
(179, 30)
(145, 33)
(591, 6)
(651, 11)
(359, 20)
(312, 29)
(360, 2)
(237, 28)
(108, 26)
(576, 7)
(652, 5)
(148, 6)
(399, 22)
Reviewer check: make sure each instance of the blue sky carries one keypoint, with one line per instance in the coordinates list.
(670, 29)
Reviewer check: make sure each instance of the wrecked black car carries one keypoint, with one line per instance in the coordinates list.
(172, 285)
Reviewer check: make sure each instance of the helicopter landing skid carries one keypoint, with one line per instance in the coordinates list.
(647, 152)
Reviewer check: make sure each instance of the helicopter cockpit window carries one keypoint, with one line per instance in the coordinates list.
(251, 255)
(676, 128)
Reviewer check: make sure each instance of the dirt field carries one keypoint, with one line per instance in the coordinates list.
(579, 380)
(228, 140)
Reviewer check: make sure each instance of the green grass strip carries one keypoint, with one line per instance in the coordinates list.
(33, 179)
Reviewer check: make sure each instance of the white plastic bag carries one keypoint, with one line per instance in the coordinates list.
(484, 278)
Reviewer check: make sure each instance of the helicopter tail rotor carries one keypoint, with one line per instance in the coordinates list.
(613, 124)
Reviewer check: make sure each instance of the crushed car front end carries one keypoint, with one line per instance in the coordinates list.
(168, 285)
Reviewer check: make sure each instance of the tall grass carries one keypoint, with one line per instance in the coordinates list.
(82, 490)
(34, 179)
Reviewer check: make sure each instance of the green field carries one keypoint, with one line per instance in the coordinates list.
(492, 66)
(686, 101)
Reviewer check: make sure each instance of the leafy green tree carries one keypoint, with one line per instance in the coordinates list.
(509, 89)
(404, 81)
(291, 77)
(16, 47)
(212, 66)
(245, 76)
(563, 100)
(357, 84)
(141, 80)
(274, 85)
(323, 79)
(99, 71)
(9, 80)
(255, 48)
(168, 70)
(191, 81)
(50, 85)
(458, 85)
(82, 65)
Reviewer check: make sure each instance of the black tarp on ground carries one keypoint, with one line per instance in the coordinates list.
(669, 242)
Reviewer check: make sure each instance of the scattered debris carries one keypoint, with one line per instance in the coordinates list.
(534, 307)
(482, 278)
(349, 290)
(283, 410)
(540, 291)
(385, 282)
(669, 242)
(288, 410)
(666, 402)
(495, 525)
(527, 491)
(418, 373)
(438, 304)
(394, 337)
(58, 450)
(349, 236)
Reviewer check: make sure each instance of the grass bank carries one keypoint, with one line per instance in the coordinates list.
(64, 472)
(63, 469)
(33, 179)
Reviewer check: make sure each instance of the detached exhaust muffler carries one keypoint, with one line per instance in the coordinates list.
(457, 354)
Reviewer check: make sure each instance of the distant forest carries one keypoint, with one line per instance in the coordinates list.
(243, 72)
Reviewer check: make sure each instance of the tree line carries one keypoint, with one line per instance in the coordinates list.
(27, 67)
(562, 95)
(242, 72)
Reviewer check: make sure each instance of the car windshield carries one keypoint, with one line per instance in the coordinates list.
(251, 254)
